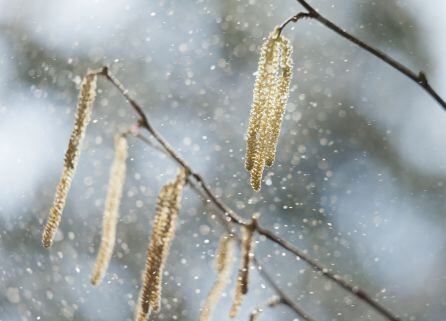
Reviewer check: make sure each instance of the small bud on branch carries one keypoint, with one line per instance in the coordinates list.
(83, 115)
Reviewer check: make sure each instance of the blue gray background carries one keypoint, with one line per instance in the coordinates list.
(359, 180)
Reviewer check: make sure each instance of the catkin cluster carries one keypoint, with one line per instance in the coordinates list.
(223, 266)
(167, 209)
(241, 287)
(83, 115)
(271, 91)
(112, 202)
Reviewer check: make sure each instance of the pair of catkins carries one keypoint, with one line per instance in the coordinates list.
(271, 91)
(224, 258)
(223, 265)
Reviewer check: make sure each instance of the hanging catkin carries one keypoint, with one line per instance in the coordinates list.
(223, 265)
(83, 114)
(269, 100)
(286, 65)
(241, 287)
(272, 302)
(115, 185)
(259, 100)
(167, 209)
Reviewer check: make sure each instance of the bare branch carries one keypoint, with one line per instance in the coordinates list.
(418, 77)
(230, 216)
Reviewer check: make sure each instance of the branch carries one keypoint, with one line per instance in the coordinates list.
(419, 78)
(230, 216)
(285, 299)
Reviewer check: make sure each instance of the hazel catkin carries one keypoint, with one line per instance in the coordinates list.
(112, 202)
(241, 287)
(223, 266)
(270, 96)
(167, 210)
(83, 115)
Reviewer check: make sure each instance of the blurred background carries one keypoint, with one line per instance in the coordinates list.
(359, 181)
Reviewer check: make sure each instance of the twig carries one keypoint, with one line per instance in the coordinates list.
(419, 78)
(294, 18)
(360, 294)
(231, 216)
(285, 299)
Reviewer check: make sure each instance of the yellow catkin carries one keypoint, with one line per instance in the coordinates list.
(167, 210)
(112, 202)
(241, 287)
(259, 101)
(271, 303)
(265, 129)
(269, 101)
(83, 114)
(286, 65)
(223, 266)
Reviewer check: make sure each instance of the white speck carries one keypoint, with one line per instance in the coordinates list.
(183, 47)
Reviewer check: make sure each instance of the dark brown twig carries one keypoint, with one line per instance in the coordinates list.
(284, 298)
(231, 216)
(294, 18)
(418, 77)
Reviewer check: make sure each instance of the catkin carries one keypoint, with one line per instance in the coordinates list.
(113, 200)
(286, 65)
(223, 265)
(167, 209)
(270, 96)
(272, 302)
(241, 287)
(264, 130)
(259, 101)
(83, 115)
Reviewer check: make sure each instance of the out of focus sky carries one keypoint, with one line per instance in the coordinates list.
(359, 180)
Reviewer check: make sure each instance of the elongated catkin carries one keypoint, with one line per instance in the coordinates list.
(223, 266)
(241, 287)
(259, 100)
(281, 98)
(264, 130)
(112, 202)
(167, 210)
(270, 96)
(83, 114)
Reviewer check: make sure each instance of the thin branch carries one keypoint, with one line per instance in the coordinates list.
(231, 216)
(295, 18)
(284, 298)
(419, 78)
(324, 271)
